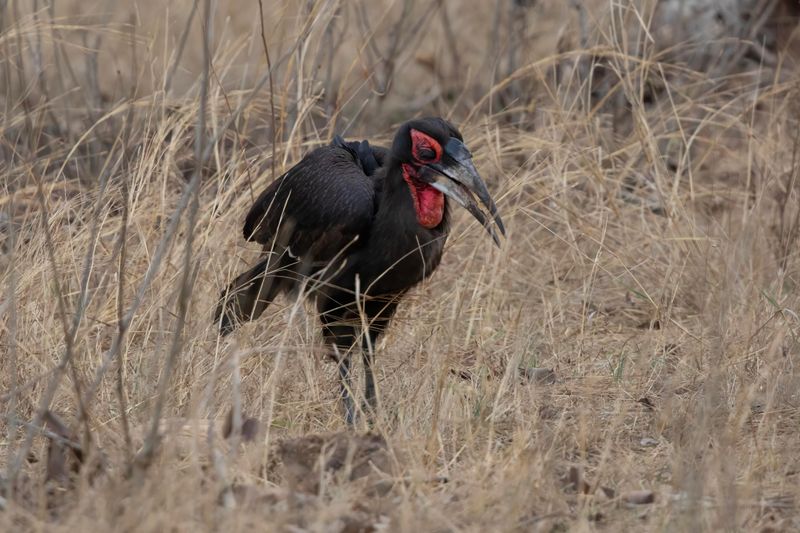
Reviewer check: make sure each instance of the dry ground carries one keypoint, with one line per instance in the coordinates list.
(649, 188)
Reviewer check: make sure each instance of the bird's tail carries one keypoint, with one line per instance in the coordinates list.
(251, 292)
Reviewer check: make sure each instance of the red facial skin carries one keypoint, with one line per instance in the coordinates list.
(428, 202)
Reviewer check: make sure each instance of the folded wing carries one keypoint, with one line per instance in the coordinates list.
(319, 207)
(305, 219)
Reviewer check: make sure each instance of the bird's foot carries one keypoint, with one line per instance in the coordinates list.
(349, 412)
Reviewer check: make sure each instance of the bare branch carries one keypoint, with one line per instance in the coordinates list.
(271, 86)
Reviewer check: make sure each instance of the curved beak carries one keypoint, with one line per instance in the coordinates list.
(458, 178)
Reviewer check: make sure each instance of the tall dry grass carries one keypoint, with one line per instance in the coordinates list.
(650, 193)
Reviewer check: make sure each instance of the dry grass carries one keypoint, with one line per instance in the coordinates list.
(651, 263)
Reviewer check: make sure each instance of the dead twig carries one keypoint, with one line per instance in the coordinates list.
(273, 131)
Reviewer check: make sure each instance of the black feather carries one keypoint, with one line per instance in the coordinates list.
(341, 221)
(342, 215)
(370, 158)
(327, 189)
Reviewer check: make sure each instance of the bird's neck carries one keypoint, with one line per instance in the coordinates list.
(429, 204)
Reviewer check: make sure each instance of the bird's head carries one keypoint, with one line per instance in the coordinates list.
(435, 162)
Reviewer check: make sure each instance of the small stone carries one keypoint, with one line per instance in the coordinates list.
(540, 376)
(648, 442)
(639, 497)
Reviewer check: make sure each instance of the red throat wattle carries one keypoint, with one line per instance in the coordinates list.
(428, 202)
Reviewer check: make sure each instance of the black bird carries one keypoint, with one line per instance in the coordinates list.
(359, 225)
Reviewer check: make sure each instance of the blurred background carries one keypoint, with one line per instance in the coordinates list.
(360, 65)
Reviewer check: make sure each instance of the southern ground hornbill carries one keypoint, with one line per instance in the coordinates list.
(355, 227)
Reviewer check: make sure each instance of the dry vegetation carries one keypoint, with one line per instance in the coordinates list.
(625, 361)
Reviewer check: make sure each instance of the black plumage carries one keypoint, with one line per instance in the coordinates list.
(351, 218)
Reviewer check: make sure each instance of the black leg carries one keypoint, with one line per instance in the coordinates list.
(369, 386)
(340, 338)
(343, 337)
(371, 398)
(346, 388)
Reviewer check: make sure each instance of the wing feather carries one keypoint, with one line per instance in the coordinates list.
(319, 207)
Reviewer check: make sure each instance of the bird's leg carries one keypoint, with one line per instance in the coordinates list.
(346, 387)
(371, 398)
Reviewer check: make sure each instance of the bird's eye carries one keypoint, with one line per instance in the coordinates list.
(424, 148)
(426, 154)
